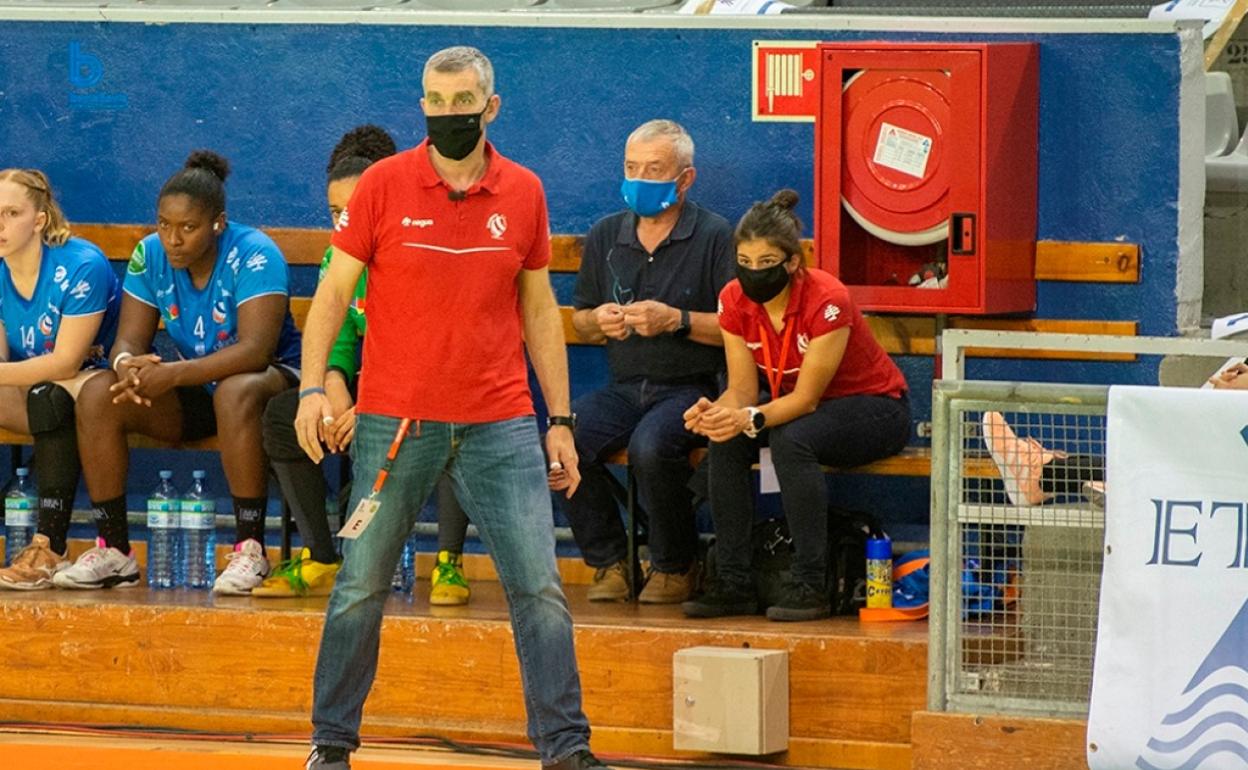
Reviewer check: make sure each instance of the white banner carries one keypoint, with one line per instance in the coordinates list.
(1170, 683)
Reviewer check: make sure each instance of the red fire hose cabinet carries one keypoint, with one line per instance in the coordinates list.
(925, 175)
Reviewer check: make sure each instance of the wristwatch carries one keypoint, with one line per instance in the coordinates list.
(567, 421)
(685, 325)
(758, 421)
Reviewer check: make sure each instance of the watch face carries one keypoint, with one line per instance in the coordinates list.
(758, 420)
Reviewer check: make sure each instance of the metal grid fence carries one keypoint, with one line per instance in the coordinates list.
(1018, 495)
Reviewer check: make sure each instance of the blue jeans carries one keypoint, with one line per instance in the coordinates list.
(647, 417)
(499, 473)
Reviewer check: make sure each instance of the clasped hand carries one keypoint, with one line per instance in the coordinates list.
(142, 378)
(648, 317)
(718, 423)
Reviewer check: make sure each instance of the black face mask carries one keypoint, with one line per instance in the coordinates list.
(763, 285)
(454, 136)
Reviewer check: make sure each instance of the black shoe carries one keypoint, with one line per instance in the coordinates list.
(578, 761)
(329, 758)
(800, 601)
(721, 599)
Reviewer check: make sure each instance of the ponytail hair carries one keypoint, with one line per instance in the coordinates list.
(202, 179)
(39, 191)
(774, 221)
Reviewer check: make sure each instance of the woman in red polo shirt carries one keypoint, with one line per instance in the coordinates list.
(835, 398)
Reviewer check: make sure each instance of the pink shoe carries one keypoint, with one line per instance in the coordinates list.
(1020, 461)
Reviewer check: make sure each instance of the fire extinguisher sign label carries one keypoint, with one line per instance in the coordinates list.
(902, 150)
(785, 85)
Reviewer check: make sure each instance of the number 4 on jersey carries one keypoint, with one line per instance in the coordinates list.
(199, 327)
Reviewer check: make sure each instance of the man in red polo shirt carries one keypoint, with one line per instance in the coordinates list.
(456, 242)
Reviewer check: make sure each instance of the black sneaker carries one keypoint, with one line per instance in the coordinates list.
(578, 761)
(328, 758)
(721, 599)
(800, 601)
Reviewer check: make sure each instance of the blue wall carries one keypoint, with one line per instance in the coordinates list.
(275, 98)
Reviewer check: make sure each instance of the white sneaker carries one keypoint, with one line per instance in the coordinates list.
(247, 569)
(100, 567)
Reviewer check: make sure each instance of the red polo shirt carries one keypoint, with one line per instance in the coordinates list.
(818, 304)
(444, 328)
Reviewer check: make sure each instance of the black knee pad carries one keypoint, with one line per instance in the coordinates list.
(49, 408)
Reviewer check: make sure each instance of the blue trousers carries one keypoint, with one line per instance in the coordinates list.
(499, 473)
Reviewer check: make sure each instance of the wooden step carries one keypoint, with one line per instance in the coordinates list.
(175, 659)
(987, 742)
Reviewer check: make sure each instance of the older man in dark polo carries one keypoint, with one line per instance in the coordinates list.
(648, 286)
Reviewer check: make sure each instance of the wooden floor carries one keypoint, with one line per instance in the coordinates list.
(82, 752)
(190, 661)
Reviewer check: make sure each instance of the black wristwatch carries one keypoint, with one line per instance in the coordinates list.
(568, 421)
(685, 325)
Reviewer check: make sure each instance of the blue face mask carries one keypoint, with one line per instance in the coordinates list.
(647, 198)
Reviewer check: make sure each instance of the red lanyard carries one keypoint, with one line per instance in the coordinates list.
(384, 473)
(775, 374)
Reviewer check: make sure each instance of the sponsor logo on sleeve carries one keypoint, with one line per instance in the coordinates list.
(256, 262)
(831, 313)
(59, 274)
(81, 290)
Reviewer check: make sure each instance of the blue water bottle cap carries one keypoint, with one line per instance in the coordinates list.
(199, 474)
(166, 474)
(879, 548)
(23, 472)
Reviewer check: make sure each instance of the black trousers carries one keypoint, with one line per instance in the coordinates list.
(841, 432)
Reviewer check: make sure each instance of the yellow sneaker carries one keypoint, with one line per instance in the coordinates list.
(301, 576)
(449, 586)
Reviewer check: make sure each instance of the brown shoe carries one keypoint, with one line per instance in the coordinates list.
(669, 587)
(611, 584)
(33, 567)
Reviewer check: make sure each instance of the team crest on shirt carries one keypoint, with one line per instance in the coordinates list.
(138, 261)
(218, 312)
(45, 324)
(172, 313)
(497, 225)
(831, 313)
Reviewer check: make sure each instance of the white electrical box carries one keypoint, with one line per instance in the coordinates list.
(731, 700)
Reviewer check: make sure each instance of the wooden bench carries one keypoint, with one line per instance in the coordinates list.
(899, 334)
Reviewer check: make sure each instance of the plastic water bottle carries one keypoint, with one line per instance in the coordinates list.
(198, 511)
(405, 570)
(162, 528)
(20, 509)
(879, 571)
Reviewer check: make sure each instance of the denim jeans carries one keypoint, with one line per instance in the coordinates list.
(841, 432)
(647, 417)
(499, 473)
